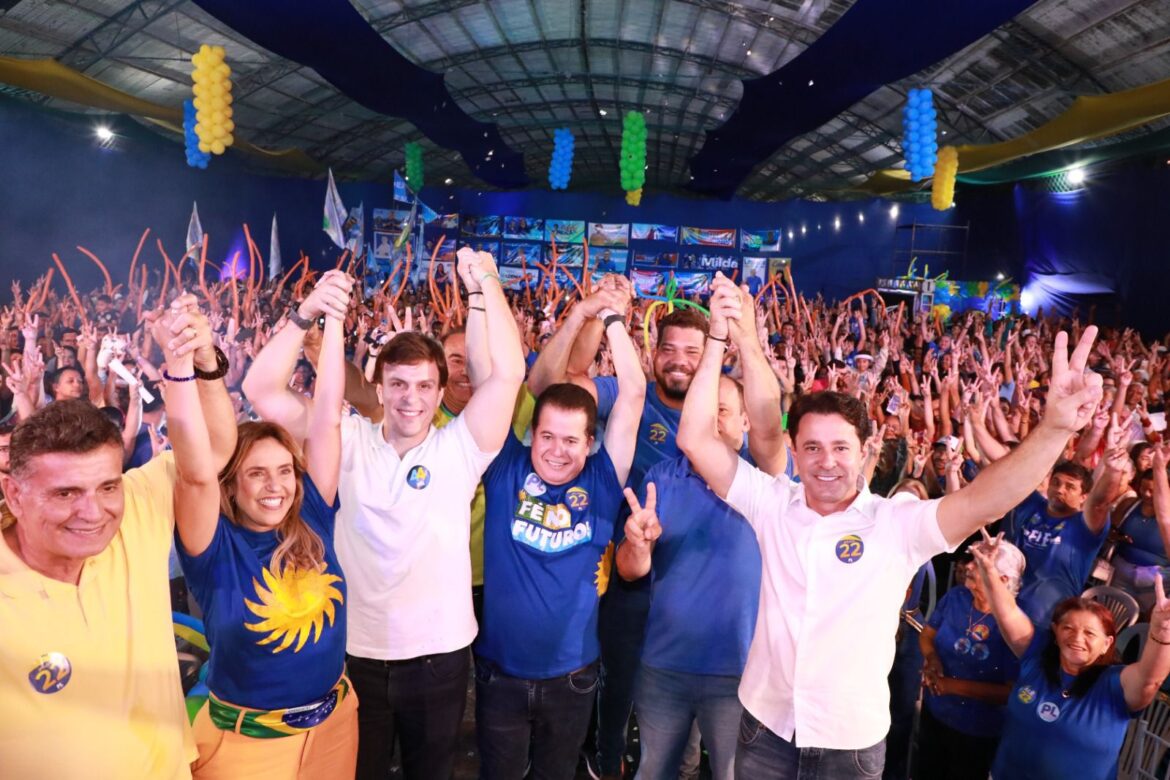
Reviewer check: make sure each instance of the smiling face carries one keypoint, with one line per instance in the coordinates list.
(828, 457)
(560, 444)
(458, 389)
(676, 359)
(409, 394)
(1081, 638)
(265, 486)
(68, 506)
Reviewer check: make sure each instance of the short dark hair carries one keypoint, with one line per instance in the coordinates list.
(7, 427)
(410, 348)
(63, 426)
(828, 402)
(682, 318)
(569, 397)
(1077, 472)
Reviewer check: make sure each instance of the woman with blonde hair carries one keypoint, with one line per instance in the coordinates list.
(256, 545)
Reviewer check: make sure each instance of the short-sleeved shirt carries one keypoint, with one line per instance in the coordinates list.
(706, 563)
(548, 557)
(403, 537)
(656, 430)
(831, 584)
(277, 638)
(89, 680)
(1147, 547)
(1060, 553)
(970, 647)
(1050, 737)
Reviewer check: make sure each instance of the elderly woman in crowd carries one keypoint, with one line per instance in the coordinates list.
(1141, 554)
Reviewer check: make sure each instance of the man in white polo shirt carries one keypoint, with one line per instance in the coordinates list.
(403, 529)
(837, 559)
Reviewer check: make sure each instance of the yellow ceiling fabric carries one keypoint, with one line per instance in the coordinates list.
(51, 78)
(1089, 118)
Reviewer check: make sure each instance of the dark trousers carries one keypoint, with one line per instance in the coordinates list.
(946, 754)
(763, 755)
(544, 720)
(419, 702)
(905, 686)
(621, 625)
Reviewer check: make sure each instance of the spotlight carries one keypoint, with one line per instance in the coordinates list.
(803, 230)
(104, 134)
(836, 223)
(861, 217)
(894, 211)
(602, 111)
(448, 181)
(999, 276)
(1076, 176)
(791, 235)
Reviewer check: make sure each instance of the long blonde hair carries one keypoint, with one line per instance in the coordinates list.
(300, 547)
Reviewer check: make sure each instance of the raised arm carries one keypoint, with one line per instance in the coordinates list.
(323, 442)
(1140, 681)
(698, 435)
(1107, 487)
(634, 555)
(491, 323)
(1072, 396)
(579, 334)
(266, 384)
(761, 390)
(1014, 624)
(621, 431)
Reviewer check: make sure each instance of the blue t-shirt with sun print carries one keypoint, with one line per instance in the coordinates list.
(547, 559)
(277, 638)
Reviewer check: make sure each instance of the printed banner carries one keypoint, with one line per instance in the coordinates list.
(666, 259)
(755, 273)
(564, 231)
(645, 232)
(777, 265)
(767, 240)
(523, 227)
(708, 236)
(572, 255)
(515, 278)
(383, 245)
(608, 234)
(491, 247)
(520, 254)
(446, 251)
(390, 221)
(481, 226)
(647, 282)
(690, 283)
(441, 221)
(702, 261)
(606, 260)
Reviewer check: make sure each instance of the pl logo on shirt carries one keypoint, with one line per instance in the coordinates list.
(418, 477)
(52, 673)
(1048, 711)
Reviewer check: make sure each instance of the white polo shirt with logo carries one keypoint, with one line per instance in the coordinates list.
(402, 539)
(830, 597)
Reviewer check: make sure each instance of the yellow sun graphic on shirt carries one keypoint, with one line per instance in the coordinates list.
(293, 606)
(604, 569)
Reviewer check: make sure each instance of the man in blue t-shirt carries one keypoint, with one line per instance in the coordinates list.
(548, 542)
(567, 358)
(1059, 535)
(703, 561)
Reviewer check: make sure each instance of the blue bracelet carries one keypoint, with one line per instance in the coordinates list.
(170, 378)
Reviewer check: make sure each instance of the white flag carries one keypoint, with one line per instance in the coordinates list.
(194, 229)
(275, 266)
(334, 221)
(355, 228)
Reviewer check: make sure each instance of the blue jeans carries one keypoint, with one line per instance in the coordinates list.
(667, 703)
(762, 755)
(905, 686)
(550, 716)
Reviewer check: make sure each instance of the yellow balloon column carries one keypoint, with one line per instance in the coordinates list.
(213, 99)
(942, 187)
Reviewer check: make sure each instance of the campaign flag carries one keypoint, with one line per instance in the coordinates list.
(194, 229)
(335, 214)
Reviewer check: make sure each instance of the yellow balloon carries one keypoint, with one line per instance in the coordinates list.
(197, 76)
(199, 105)
(217, 117)
(227, 96)
(199, 90)
(217, 147)
(204, 48)
(204, 147)
(222, 70)
(228, 139)
(229, 125)
(215, 89)
(197, 59)
(202, 116)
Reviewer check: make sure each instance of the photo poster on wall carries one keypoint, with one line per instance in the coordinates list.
(526, 228)
(569, 255)
(720, 237)
(641, 231)
(755, 273)
(760, 240)
(648, 282)
(709, 261)
(692, 283)
(609, 234)
(447, 222)
(564, 231)
(643, 257)
(513, 278)
(520, 254)
(388, 225)
(778, 265)
(603, 260)
(480, 227)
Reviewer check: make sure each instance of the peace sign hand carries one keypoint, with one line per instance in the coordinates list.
(1073, 392)
(1160, 616)
(642, 527)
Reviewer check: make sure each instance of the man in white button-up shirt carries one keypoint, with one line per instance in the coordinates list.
(837, 559)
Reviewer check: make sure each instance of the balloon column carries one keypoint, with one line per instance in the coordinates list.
(195, 158)
(633, 162)
(561, 166)
(942, 189)
(414, 166)
(919, 129)
(213, 99)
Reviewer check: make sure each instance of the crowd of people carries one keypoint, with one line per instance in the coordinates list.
(717, 520)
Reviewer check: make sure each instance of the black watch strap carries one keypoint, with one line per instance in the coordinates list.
(221, 367)
(295, 318)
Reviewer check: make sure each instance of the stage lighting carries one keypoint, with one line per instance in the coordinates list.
(861, 217)
(803, 230)
(448, 181)
(1076, 176)
(836, 223)
(791, 235)
(602, 111)
(894, 211)
(103, 133)
(999, 276)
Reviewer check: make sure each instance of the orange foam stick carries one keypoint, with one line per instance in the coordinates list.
(202, 276)
(405, 276)
(45, 289)
(170, 269)
(189, 254)
(284, 279)
(141, 297)
(235, 289)
(72, 289)
(101, 265)
(527, 287)
(137, 250)
(586, 277)
(254, 258)
(340, 260)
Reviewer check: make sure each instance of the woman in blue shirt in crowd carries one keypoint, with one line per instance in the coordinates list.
(967, 672)
(1068, 713)
(256, 544)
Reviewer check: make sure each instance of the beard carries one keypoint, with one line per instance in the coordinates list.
(676, 390)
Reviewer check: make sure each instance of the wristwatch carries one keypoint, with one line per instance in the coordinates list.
(294, 316)
(221, 368)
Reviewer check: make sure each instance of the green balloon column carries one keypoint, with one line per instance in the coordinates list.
(633, 162)
(414, 166)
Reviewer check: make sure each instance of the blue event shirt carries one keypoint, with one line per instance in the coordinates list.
(547, 559)
(276, 641)
(1147, 548)
(1049, 737)
(705, 577)
(970, 647)
(656, 430)
(1060, 553)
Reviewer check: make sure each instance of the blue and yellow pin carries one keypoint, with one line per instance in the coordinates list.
(850, 548)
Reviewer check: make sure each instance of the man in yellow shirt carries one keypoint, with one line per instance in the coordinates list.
(89, 683)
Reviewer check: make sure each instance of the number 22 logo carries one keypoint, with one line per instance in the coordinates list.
(850, 548)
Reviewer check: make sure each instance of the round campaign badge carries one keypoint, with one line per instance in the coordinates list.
(1026, 694)
(850, 548)
(51, 674)
(1048, 711)
(418, 477)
